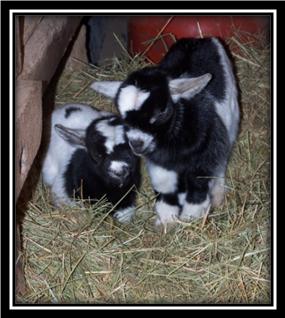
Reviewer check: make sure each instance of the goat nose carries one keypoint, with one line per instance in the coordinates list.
(122, 173)
(136, 144)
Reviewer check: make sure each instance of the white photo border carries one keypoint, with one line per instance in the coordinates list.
(12, 13)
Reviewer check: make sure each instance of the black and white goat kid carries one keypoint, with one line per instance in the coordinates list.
(89, 157)
(183, 117)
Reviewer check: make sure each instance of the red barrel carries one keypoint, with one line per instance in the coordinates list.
(143, 29)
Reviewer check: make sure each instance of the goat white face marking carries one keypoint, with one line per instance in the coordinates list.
(117, 166)
(147, 139)
(163, 180)
(193, 211)
(166, 213)
(114, 135)
(131, 98)
(124, 215)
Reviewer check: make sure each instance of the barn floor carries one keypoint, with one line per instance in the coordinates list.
(80, 255)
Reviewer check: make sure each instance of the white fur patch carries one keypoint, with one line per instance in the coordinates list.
(228, 109)
(124, 215)
(166, 213)
(193, 211)
(50, 169)
(79, 119)
(163, 180)
(60, 197)
(117, 166)
(136, 134)
(131, 98)
(114, 134)
(218, 192)
(181, 198)
(217, 186)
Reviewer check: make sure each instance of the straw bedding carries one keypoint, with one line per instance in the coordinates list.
(80, 255)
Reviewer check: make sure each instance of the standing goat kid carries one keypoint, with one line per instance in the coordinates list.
(183, 117)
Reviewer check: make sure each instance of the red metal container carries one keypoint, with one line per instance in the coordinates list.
(166, 29)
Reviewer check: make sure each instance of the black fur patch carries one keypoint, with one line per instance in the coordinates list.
(70, 110)
(83, 180)
(115, 121)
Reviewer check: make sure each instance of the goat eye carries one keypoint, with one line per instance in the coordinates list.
(97, 157)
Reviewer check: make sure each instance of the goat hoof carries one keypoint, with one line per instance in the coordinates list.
(164, 227)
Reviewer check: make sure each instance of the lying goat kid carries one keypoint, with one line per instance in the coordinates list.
(89, 157)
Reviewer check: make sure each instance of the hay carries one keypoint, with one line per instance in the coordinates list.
(80, 255)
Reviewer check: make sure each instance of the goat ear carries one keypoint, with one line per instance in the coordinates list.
(107, 88)
(72, 136)
(188, 87)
